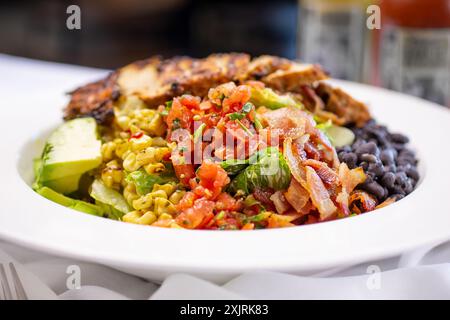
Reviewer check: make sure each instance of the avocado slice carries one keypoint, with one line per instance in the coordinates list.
(340, 136)
(78, 205)
(72, 149)
(109, 199)
(65, 185)
(270, 99)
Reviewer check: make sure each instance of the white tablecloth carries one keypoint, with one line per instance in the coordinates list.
(422, 274)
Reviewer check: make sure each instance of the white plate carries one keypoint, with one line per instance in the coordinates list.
(421, 218)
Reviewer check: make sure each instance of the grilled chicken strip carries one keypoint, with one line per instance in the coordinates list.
(156, 81)
(348, 109)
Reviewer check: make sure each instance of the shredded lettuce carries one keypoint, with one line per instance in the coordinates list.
(144, 182)
(111, 201)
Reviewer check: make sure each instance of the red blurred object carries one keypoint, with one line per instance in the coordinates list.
(412, 49)
(416, 13)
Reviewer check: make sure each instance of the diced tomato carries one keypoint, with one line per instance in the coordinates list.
(226, 202)
(205, 105)
(179, 116)
(201, 191)
(237, 99)
(201, 212)
(212, 177)
(211, 120)
(190, 101)
(248, 226)
(206, 220)
(184, 172)
(187, 201)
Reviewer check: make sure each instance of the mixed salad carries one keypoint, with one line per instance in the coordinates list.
(221, 143)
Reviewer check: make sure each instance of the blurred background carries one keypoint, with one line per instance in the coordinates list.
(410, 53)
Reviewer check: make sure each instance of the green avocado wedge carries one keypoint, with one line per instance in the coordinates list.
(71, 150)
(268, 98)
(78, 205)
(65, 185)
(340, 136)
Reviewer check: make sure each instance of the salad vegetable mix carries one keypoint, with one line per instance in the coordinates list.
(222, 143)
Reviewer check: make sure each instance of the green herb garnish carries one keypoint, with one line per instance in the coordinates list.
(199, 132)
(176, 124)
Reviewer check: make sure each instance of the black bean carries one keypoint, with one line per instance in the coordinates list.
(350, 159)
(406, 156)
(407, 152)
(346, 148)
(388, 179)
(399, 138)
(378, 134)
(408, 186)
(397, 146)
(389, 165)
(376, 168)
(369, 147)
(398, 196)
(405, 167)
(401, 178)
(387, 156)
(364, 165)
(369, 179)
(368, 158)
(404, 161)
(398, 189)
(358, 143)
(375, 189)
(391, 168)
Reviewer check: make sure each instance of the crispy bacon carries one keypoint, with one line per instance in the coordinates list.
(328, 175)
(280, 202)
(361, 201)
(349, 179)
(319, 195)
(297, 196)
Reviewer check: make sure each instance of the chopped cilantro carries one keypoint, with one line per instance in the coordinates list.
(244, 128)
(236, 116)
(199, 132)
(166, 110)
(246, 108)
(176, 124)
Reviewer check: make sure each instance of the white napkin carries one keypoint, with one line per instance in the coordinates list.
(46, 277)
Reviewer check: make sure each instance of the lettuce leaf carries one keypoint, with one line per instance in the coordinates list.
(144, 182)
(267, 169)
